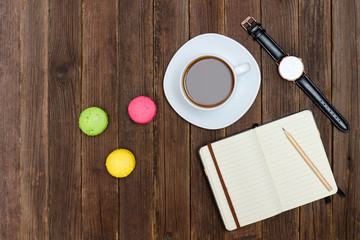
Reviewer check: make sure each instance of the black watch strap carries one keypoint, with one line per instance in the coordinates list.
(266, 42)
(277, 53)
(320, 100)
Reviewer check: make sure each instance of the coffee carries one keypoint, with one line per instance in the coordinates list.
(208, 81)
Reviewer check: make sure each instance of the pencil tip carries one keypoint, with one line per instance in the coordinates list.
(283, 129)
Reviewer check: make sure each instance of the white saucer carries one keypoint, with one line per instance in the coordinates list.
(245, 93)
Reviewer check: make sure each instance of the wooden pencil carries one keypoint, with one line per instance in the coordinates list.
(307, 160)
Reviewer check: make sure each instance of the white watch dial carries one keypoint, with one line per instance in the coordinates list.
(291, 68)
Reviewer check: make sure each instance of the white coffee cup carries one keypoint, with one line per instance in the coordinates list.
(235, 70)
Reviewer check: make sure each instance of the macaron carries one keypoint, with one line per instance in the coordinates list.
(120, 163)
(142, 109)
(93, 121)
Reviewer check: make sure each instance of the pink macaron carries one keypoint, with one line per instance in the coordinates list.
(142, 109)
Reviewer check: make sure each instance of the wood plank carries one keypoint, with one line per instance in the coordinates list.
(10, 120)
(34, 174)
(171, 132)
(100, 202)
(64, 110)
(205, 16)
(136, 78)
(315, 50)
(346, 97)
(280, 19)
(235, 13)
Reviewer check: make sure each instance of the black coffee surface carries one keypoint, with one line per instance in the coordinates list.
(208, 81)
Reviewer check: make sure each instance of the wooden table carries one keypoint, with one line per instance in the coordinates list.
(58, 57)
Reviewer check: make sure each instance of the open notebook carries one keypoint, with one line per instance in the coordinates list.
(263, 173)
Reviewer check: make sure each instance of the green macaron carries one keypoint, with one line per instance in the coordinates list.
(93, 121)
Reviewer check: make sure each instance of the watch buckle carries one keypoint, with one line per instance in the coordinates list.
(247, 22)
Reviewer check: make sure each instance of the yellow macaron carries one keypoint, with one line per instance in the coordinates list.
(120, 163)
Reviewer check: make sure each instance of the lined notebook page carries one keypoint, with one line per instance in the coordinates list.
(295, 182)
(246, 177)
(216, 188)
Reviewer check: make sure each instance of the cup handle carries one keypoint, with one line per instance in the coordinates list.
(242, 68)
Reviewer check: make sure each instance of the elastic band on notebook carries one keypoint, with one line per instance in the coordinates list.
(223, 185)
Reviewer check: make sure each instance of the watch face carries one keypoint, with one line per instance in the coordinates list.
(291, 68)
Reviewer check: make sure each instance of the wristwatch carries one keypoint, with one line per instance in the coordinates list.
(291, 68)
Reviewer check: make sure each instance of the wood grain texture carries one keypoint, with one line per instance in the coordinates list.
(315, 50)
(171, 132)
(34, 173)
(64, 110)
(60, 57)
(100, 204)
(346, 96)
(205, 16)
(235, 13)
(9, 119)
(136, 78)
(279, 97)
